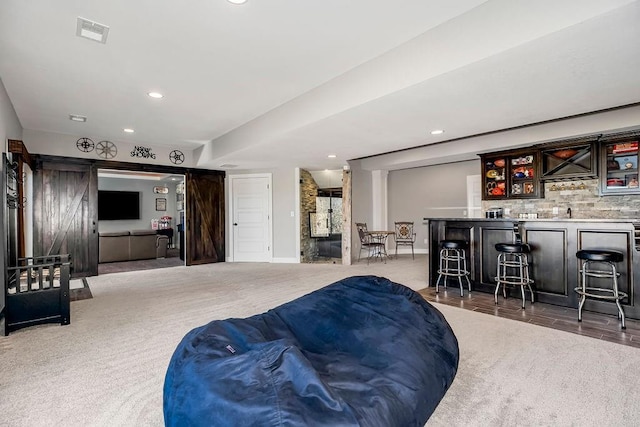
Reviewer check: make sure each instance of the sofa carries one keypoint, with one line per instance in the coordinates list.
(117, 246)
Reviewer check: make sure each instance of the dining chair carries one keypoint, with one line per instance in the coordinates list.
(367, 243)
(404, 235)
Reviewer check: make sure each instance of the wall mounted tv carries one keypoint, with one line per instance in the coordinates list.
(114, 205)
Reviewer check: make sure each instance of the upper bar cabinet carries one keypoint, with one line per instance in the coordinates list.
(619, 164)
(511, 174)
(569, 160)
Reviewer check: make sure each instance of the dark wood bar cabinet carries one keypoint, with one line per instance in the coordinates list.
(553, 262)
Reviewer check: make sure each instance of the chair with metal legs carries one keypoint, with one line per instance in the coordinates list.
(404, 235)
(513, 269)
(374, 247)
(593, 262)
(453, 263)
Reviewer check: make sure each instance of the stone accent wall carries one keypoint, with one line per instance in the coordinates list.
(580, 195)
(308, 194)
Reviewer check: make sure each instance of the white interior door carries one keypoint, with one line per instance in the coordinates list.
(251, 217)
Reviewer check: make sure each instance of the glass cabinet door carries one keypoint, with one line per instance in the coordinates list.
(523, 176)
(494, 177)
(620, 161)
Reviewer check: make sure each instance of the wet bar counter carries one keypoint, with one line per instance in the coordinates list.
(553, 264)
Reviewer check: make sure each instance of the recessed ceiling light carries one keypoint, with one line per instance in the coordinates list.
(156, 95)
(127, 130)
(332, 156)
(77, 118)
(237, 1)
(437, 132)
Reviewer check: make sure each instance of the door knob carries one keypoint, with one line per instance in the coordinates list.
(235, 223)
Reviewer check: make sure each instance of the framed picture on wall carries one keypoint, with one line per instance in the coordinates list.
(161, 204)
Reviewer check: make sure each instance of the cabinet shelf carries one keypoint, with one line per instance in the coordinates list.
(499, 172)
(622, 171)
(619, 157)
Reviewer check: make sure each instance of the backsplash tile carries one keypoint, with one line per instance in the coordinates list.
(584, 201)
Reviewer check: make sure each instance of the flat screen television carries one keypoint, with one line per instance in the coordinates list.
(114, 205)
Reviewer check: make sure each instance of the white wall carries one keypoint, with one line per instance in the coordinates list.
(361, 202)
(147, 203)
(434, 191)
(10, 127)
(57, 144)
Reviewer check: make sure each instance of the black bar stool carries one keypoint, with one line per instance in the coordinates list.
(513, 269)
(603, 258)
(453, 263)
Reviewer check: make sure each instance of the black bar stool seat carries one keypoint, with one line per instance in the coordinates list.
(513, 269)
(454, 244)
(513, 248)
(603, 257)
(453, 263)
(600, 255)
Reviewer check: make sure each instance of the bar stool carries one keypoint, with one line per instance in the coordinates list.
(453, 263)
(603, 257)
(513, 269)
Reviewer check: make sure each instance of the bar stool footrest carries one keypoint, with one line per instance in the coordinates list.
(589, 292)
(513, 281)
(456, 274)
(599, 273)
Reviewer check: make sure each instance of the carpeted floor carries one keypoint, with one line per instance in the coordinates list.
(107, 367)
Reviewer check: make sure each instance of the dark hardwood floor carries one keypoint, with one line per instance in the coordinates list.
(595, 325)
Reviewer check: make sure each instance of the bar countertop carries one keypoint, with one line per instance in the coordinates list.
(595, 220)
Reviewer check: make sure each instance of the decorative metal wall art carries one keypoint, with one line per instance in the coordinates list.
(85, 145)
(106, 149)
(176, 157)
(144, 152)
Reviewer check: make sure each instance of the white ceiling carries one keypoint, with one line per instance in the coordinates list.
(287, 82)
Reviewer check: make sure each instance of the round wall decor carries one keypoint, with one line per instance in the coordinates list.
(176, 157)
(85, 145)
(106, 149)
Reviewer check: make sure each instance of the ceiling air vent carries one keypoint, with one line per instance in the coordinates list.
(92, 30)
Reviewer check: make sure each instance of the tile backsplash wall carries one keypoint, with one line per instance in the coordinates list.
(580, 195)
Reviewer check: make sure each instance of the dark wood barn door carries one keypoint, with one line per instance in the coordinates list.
(65, 213)
(205, 236)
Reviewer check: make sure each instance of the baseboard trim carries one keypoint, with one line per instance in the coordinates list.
(279, 260)
(407, 251)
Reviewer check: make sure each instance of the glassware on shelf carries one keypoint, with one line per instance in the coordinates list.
(164, 222)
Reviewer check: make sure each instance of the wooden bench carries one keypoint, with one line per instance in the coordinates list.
(37, 291)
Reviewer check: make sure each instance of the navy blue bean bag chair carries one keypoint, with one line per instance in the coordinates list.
(363, 351)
